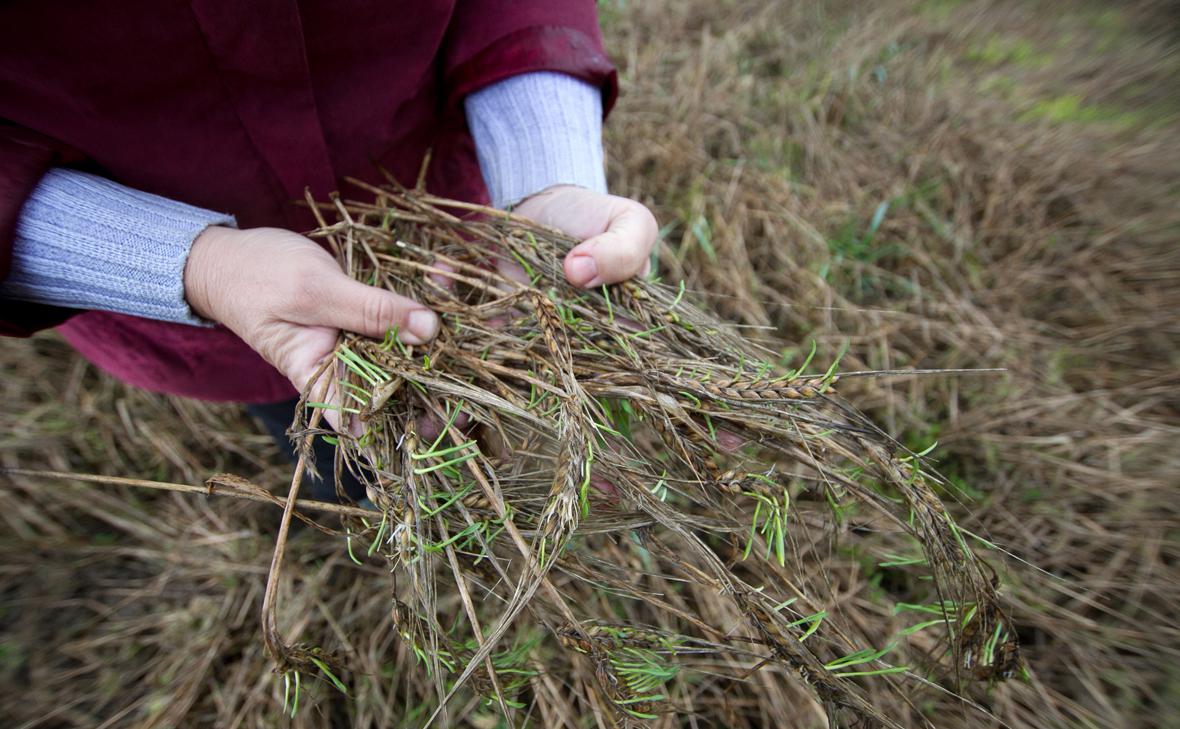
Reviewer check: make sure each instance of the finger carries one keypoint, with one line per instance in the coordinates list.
(618, 254)
(338, 301)
(442, 279)
(342, 421)
(512, 271)
(430, 426)
(729, 442)
(605, 488)
(323, 390)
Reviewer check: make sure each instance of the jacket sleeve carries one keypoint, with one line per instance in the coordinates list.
(86, 242)
(490, 40)
(534, 131)
(25, 157)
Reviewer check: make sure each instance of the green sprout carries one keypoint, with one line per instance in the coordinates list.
(813, 622)
(645, 674)
(769, 520)
(288, 700)
(331, 676)
(861, 657)
(380, 533)
(364, 369)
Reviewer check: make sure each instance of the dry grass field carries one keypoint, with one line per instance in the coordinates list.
(933, 185)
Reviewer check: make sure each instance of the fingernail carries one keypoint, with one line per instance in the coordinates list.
(582, 270)
(422, 324)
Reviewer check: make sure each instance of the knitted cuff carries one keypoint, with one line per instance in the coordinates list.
(84, 242)
(534, 131)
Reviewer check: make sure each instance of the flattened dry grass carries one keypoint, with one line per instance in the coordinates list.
(868, 179)
(904, 181)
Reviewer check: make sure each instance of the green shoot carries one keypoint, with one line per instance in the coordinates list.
(391, 340)
(709, 425)
(660, 489)
(529, 271)
(647, 332)
(769, 520)
(947, 609)
(679, 296)
(435, 453)
(606, 429)
(989, 648)
(644, 673)
(785, 603)
(446, 504)
(380, 533)
(620, 414)
(878, 672)
(364, 369)
(838, 508)
(959, 537)
(451, 416)
(812, 621)
(286, 691)
(918, 627)
(868, 655)
(348, 541)
(894, 560)
(330, 406)
(331, 676)
(803, 367)
(921, 454)
(453, 462)
(584, 489)
(827, 378)
(861, 657)
(467, 533)
(295, 698)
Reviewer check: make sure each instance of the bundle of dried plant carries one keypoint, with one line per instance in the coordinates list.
(556, 454)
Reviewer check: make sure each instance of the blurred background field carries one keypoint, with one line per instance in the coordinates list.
(930, 184)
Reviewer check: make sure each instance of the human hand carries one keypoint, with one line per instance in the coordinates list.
(288, 299)
(617, 233)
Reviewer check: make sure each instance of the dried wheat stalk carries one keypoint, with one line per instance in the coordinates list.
(596, 467)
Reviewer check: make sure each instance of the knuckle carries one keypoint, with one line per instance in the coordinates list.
(376, 313)
(381, 312)
(649, 225)
(641, 223)
(647, 230)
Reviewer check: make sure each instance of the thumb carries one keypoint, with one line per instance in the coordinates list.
(339, 301)
(619, 253)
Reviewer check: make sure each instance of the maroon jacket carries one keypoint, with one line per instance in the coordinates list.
(237, 106)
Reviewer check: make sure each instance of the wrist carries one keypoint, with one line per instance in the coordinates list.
(542, 194)
(205, 270)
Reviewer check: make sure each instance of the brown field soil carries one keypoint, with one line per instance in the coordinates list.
(932, 184)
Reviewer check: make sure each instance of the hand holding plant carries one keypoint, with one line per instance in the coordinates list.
(287, 298)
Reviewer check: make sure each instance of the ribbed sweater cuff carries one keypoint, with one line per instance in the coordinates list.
(534, 131)
(84, 242)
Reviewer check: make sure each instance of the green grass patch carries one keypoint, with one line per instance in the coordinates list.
(1000, 50)
(1072, 109)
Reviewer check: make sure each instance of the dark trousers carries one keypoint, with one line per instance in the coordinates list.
(276, 417)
